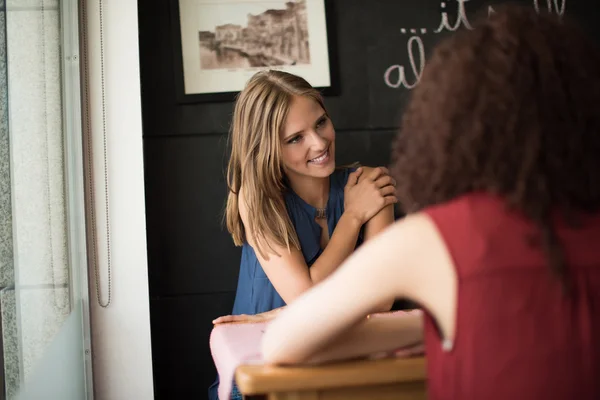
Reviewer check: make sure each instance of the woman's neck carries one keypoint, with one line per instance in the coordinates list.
(314, 191)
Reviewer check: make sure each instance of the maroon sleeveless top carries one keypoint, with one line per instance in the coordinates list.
(518, 336)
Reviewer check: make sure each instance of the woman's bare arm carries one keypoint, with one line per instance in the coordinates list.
(408, 259)
(288, 271)
(382, 220)
(372, 336)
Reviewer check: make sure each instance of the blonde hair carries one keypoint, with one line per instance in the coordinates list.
(259, 115)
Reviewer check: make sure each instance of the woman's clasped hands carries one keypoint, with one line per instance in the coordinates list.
(367, 192)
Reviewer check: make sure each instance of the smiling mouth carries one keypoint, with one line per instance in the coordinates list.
(321, 159)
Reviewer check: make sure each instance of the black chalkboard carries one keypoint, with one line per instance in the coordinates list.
(369, 38)
(383, 47)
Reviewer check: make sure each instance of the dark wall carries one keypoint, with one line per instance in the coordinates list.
(193, 264)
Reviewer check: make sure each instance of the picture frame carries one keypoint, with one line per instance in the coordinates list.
(219, 44)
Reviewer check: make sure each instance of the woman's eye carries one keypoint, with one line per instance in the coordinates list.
(321, 122)
(295, 139)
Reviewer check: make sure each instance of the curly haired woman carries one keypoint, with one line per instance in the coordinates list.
(498, 168)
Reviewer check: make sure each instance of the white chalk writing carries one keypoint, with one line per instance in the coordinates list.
(401, 80)
(413, 31)
(552, 6)
(461, 18)
(395, 76)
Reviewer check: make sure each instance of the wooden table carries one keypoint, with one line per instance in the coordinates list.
(385, 379)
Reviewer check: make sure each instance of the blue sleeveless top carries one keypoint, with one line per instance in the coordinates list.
(255, 293)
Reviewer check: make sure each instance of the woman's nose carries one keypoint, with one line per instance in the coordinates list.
(318, 141)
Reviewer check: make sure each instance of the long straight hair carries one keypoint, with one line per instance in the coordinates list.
(255, 162)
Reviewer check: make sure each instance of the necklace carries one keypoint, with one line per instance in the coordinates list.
(321, 213)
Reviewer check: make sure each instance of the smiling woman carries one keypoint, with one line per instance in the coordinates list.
(296, 216)
(309, 146)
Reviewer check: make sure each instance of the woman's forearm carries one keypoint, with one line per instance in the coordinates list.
(341, 244)
(376, 225)
(370, 336)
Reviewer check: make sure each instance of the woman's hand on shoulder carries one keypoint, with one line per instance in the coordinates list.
(368, 191)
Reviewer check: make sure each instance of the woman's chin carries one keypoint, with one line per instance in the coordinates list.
(321, 171)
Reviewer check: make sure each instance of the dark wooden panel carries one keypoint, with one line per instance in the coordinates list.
(181, 326)
(189, 250)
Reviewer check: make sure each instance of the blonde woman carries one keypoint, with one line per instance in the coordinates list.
(296, 216)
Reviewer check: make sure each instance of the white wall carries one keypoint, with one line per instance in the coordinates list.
(120, 333)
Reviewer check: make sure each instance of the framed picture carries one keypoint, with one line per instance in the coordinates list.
(219, 44)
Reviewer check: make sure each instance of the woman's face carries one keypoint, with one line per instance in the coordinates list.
(308, 140)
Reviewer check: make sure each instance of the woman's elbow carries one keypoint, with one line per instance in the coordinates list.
(267, 350)
(278, 349)
(275, 354)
